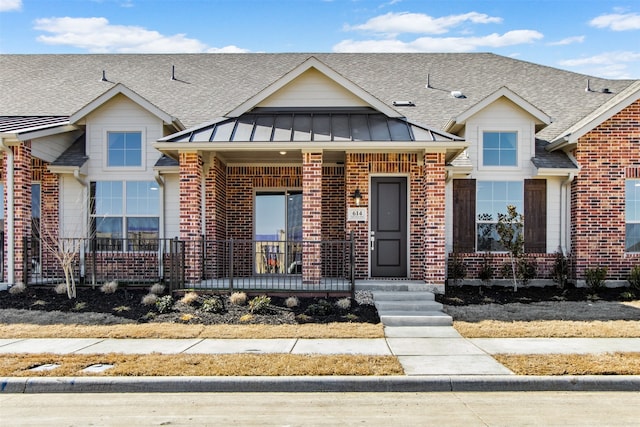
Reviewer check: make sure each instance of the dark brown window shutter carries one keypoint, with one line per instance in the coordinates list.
(535, 215)
(464, 215)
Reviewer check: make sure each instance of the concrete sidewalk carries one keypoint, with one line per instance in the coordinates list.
(434, 359)
(422, 351)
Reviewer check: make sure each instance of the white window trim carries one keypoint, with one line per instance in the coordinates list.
(481, 166)
(105, 148)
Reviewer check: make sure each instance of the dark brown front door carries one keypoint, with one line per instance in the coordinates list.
(388, 243)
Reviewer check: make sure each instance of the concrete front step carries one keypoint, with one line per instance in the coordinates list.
(421, 318)
(403, 296)
(392, 285)
(408, 305)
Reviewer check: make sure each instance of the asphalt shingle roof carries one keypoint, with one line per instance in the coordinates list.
(210, 85)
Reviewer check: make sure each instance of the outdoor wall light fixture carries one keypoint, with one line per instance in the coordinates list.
(357, 196)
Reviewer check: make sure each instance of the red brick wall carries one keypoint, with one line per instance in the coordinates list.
(433, 194)
(358, 168)
(22, 203)
(311, 216)
(473, 262)
(191, 211)
(607, 155)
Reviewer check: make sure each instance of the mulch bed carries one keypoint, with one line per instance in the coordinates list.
(126, 303)
(467, 295)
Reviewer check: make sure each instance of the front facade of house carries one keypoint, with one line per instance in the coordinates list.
(312, 169)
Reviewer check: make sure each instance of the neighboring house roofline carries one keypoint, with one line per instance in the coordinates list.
(455, 124)
(118, 89)
(612, 107)
(313, 62)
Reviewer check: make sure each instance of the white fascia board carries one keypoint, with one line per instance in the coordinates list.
(28, 134)
(555, 171)
(82, 170)
(118, 89)
(359, 146)
(313, 62)
(511, 96)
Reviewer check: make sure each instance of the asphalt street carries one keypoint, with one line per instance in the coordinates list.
(322, 409)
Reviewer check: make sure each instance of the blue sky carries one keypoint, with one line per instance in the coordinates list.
(596, 37)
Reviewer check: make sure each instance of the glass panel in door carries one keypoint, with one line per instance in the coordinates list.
(278, 232)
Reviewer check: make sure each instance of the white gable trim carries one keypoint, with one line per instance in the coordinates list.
(313, 62)
(541, 117)
(609, 109)
(120, 89)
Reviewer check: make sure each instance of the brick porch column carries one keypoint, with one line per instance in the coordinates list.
(356, 174)
(191, 173)
(49, 216)
(434, 219)
(311, 217)
(22, 206)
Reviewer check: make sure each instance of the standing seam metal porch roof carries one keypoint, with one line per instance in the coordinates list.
(262, 125)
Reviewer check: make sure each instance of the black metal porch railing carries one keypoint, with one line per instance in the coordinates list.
(99, 260)
(258, 265)
(217, 265)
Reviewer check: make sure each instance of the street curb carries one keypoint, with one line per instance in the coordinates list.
(318, 384)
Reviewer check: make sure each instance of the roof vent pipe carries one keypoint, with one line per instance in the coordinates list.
(173, 72)
(428, 85)
(104, 76)
(588, 88)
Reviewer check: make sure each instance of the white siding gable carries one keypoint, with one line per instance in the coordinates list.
(121, 114)
(313, 89)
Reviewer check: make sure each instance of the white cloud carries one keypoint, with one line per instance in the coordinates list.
(97, 35)
(617, 21)
(9, 5)
(568, 40)
(610, 64)
(419, 23)
(440, 44)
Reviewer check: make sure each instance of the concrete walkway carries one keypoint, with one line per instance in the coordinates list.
(422, 351)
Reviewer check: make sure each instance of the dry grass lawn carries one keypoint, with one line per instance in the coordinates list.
(549, 329)
(572, 364)
(172, 330)
(19, 365)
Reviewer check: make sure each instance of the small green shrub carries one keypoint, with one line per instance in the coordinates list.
(457, 269)
(634, 278)
(259, 304)
(212, 305)
(627, 296)
(594, 277)
(351, 317)
(486, 269)
(321, 308)
(79, 306)
(560, 272)
(121, 308)
(164, 304)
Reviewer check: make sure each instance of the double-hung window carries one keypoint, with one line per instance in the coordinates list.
(500, 149)
(125, 214)
(124, 149)
(493, 197)
(632, 215)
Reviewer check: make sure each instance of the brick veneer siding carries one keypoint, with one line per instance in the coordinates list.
(242, 181)
(433, 192)
(358, 169)
(216, 262)
(49, 210)
(473, 263)
(311, 217)
(607, 156)
(22, 204)
(333, 217)
(191, 173)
